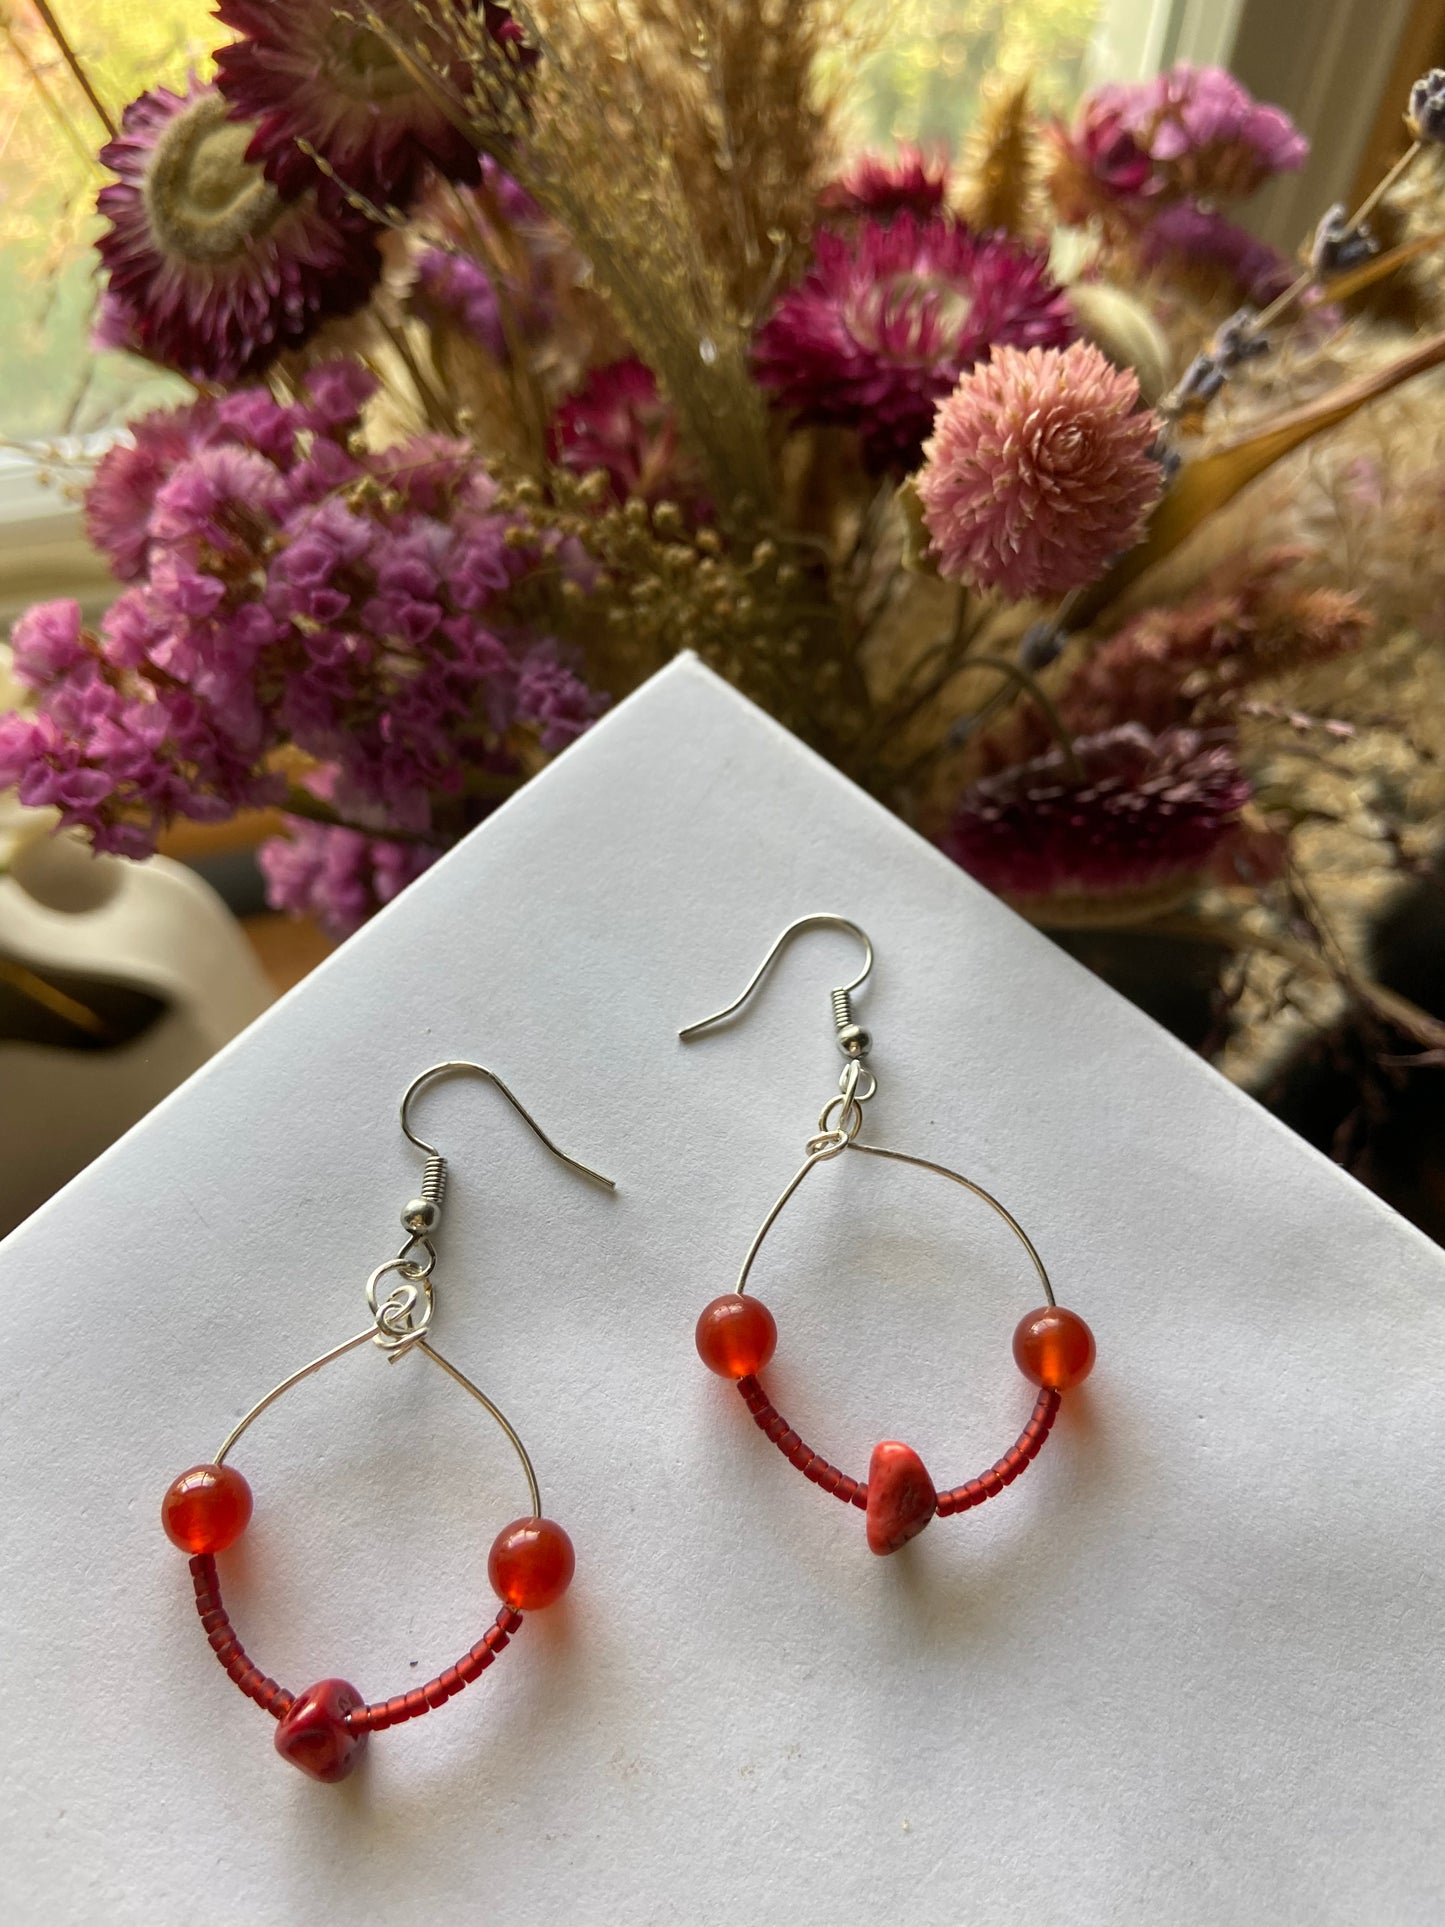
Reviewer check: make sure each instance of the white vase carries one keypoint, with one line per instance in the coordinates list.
(117, 980)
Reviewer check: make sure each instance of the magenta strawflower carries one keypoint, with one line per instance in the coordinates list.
(881, 185)
(210, 271)
(307, 70)
(887, 319)
(1142, 811)
(619, 422)
(1039, 471)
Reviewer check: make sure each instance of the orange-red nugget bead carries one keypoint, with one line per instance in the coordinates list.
(1054, 1348)
(736, 1336)
(313, 1735)
(531, 1564)
(206, 1509)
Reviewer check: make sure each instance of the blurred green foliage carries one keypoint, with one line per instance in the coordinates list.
(921, 82)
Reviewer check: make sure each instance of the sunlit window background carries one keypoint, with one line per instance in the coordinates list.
(923, 88)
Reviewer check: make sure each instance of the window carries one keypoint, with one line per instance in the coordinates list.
(922, 86)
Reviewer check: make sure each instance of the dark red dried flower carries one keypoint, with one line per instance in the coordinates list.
(908, 182)
(308, 70)
(1148, 811)
(619, 422)
(211, 271)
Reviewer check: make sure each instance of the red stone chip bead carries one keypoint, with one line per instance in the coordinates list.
(736, 1336)
(1054, 1348)
(314, 1734)
(902, 1498)
(206, 1509)
(531, 1564)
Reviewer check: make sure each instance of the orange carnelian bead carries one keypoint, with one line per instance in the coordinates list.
(531, 1564)
(736, 1336)
(1054, 1348)
(206, 1509)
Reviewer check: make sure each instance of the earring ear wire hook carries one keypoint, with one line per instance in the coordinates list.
(842, 1007)
(456, 1066)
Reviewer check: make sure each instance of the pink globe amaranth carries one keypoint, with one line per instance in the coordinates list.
(1039, 471)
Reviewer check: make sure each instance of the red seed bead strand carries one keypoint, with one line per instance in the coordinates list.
(366, 1719)
(809, 1463)
(228, 1649)
(471, 1665)
(1004, 1471)
(962, 1498)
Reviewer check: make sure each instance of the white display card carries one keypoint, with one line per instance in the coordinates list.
(1187, 1669)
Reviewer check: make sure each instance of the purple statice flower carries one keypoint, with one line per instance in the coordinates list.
(553, 699)
(46, 644)
(887, 320)
(217, 498)
(336, 393)
(455, 286)
(1189, 131)
(1187, 234)
(122, 492)
(455, 289)
(294, 594)
(339, 876)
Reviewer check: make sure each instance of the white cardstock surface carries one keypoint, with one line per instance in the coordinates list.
(1186, 1670)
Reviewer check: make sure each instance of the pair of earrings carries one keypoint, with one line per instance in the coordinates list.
(323, 1730)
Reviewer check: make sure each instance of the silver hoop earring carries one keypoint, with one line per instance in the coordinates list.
(324, 1729)
(737, 1335)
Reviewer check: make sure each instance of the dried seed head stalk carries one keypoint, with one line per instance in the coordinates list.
(583, 132)
(1002, 184)
(751, 126)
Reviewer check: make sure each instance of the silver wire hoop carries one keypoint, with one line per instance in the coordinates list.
(417, 1342)
(833, 1141)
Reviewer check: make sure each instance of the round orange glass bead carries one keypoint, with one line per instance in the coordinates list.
(531, 1564)
(206, 1509)
(736, 1336)
(1054, 1348)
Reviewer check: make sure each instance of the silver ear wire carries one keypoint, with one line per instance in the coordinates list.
(853, 1040)
(422, 1214)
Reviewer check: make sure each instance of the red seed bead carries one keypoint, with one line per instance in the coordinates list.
(1054, 1348)
(736, 1336)
(206, 1509)
(531, 1564)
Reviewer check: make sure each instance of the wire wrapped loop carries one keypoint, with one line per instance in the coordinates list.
(402, 1317)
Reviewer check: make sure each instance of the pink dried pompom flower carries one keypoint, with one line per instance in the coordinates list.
(1039, 471)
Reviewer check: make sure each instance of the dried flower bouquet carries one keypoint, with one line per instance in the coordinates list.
(534, 343)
